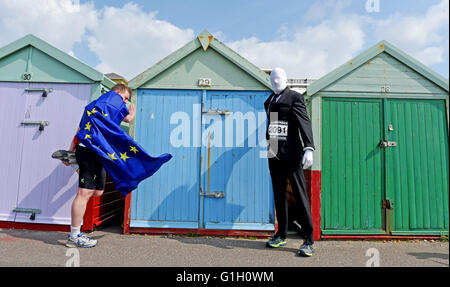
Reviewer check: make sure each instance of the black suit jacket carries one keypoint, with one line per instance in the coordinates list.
(292, 119)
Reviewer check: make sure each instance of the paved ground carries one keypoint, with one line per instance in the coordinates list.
(36, 248)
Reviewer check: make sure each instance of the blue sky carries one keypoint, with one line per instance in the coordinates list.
(307, 38)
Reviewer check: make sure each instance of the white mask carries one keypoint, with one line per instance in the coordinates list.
(278, 79)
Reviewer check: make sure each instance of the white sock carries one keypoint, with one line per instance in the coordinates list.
(74, 231)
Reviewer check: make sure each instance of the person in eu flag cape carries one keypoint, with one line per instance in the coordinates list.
(102, 146)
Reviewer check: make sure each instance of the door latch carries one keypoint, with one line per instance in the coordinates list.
(42, 124)
(44, 91)
(217, 112)
(217, 194)
(388, 204)
(28, 210)
(385, 144)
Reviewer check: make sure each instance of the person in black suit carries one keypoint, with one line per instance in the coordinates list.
(290, 151)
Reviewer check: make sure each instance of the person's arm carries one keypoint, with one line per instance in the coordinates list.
(130, 117)
(302, 118)
(73, 144)
(71, 148)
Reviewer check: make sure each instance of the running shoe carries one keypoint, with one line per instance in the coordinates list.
(81, 241)
(64, 155)
(276, 242)
(306, 250)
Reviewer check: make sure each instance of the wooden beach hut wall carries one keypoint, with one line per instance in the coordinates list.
(381, 126)
(192, 104)
(43, 93)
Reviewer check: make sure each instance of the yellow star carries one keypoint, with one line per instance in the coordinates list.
(112, 156)
(88, 113)
(133, 149)
(124, 157)
(87, 137)
(93, 111)
(105, 115)
(88, 126)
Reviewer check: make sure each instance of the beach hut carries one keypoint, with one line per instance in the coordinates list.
(43, 93)
(381, 167)
(204, 105)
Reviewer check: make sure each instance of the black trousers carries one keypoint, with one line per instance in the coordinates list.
(280, 171)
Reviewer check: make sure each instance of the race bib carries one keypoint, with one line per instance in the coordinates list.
(278, 130)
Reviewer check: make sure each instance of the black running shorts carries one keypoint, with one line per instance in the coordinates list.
(92, 174)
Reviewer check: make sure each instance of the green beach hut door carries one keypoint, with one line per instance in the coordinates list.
(385, 166)
(417, 172)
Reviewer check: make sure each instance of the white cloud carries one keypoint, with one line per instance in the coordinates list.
(431, 55)
(416, 32)
(421, 36)
(59, 22)
(128, 40)
(338, 36)
(309, 53)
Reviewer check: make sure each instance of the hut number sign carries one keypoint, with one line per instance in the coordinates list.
(385, 89)
(204, 82)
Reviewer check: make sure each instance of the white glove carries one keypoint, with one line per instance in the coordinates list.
(307, 161)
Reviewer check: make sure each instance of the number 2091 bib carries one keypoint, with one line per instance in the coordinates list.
(278, 130)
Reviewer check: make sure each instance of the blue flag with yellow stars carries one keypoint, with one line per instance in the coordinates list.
(124, 160)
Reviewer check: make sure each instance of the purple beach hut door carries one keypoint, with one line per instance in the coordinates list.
(12, 109)
(47, 122)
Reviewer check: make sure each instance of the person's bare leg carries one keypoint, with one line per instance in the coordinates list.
(76, 237)
(98, 193)
(79, 205)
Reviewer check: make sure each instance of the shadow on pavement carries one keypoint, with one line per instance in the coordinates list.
(232, 243)
(47, 237)
(431, 256)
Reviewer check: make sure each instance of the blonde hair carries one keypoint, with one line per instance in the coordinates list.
(121, 88)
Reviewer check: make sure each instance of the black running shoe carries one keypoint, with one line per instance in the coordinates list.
(276, 242)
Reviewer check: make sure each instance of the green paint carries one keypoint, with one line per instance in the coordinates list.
(47, 64)
(13, 67)
(417, 171)
(352, 183)
(184, 74)
(357, 175)
(183, 68)
(377, 66)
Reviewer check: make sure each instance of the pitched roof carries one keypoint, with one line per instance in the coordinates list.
(31, 40)
(204, 40)
(114, 76)
(379, 48)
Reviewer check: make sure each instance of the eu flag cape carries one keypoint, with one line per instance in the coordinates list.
(124, 160)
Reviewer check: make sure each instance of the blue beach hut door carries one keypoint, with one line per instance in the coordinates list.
(235, 185)
(217, 178)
